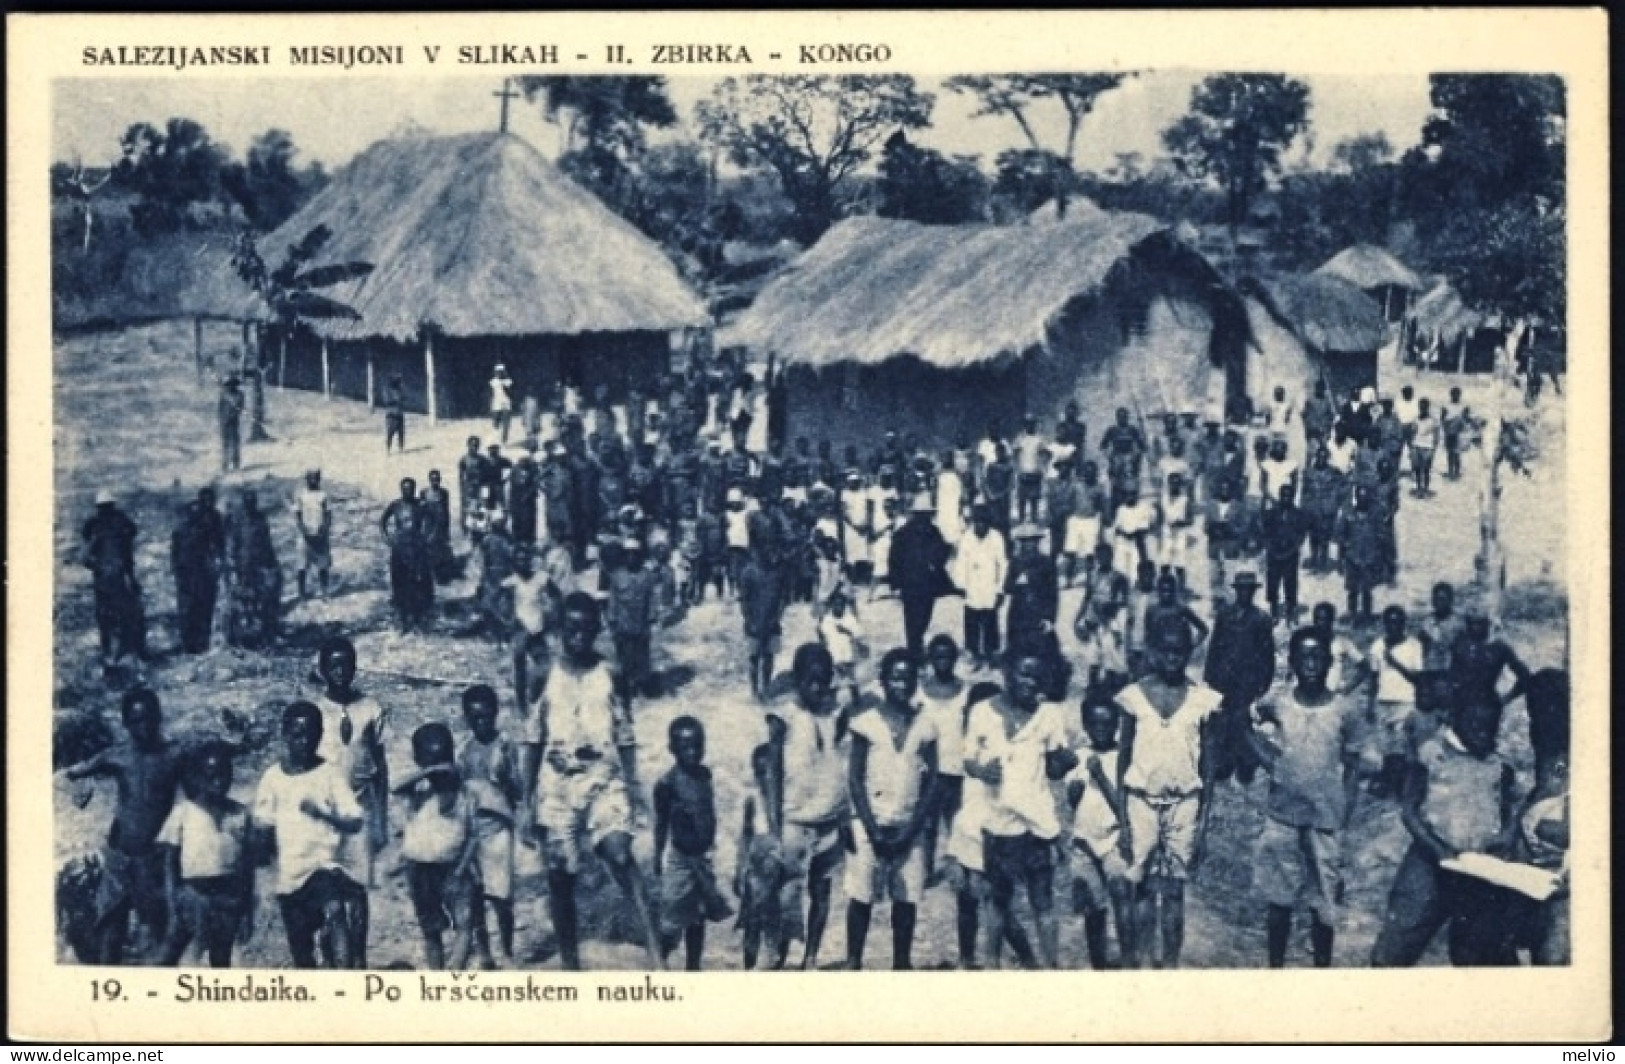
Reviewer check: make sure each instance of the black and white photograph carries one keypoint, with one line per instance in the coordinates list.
(511, 519)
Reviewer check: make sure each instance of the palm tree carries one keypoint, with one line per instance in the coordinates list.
(289, 292)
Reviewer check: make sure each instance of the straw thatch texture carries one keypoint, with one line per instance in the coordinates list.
(478, 235)
(1328, 314)
(1441, 315)
(1368, 266)
(954, 296)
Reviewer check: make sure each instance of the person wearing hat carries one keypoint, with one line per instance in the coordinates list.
(197, 555)
(315, 521)
(917, 568)
(1033, 587)
(109, 537)
(229, 411)
(1241, 667)
(501, 400)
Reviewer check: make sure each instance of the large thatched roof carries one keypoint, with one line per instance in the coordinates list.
(478, 235)
(1368, 266)
(1325, 313)
(875, 288)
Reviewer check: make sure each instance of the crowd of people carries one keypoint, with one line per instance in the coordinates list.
(954, 762)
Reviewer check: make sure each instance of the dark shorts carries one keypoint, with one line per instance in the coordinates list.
(304, 910)
(1025, 860)
(437, 896)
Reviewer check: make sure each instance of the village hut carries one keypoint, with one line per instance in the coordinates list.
(1444, 333)
(1338, 330)
(944, 331)
(483, 252)
(1379, 274)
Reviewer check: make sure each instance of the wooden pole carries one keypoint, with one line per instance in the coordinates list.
(282, 359)
(327, 377)
(372, 401)
(428, 372)
(197, 346)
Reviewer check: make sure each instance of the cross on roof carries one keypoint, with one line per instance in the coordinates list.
(505, 95)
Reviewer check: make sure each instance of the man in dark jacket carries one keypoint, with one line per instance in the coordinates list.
(1241, 667)
(917, 570)
(110, 556)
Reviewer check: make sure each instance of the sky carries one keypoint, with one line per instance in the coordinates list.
(332, 119)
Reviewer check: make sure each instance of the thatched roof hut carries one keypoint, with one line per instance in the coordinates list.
(1368, 266)
(1378, 272)
(1443, 332)
(941, 328)
(1337, 323)
(485, 252)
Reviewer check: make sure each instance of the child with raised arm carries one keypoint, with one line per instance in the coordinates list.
(304, 810)
(1016, 743)
(686, 818)
(438, 848)
(489, 763)
(577, 770)
(144, 767)
(1099, 866)
(892, 784)
(1165, 773)
(1309, 738)
(208, 873)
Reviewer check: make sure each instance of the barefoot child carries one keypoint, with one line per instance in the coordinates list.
(209, 877)
(892, 784)
(1016, 743)
(1165, 772)
(1099, 865)
(352, 741)
(1309, 739)
(304, 810)
(803, 778)
(841, 633)
(489, 763)
(576, 770)
(132, 862)
(686, 817)
(942, 696)
(438, 847)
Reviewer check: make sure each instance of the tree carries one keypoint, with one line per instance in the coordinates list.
(290, 293)
(267, 185)
(1038, 169)
(75, 185)
(1236, 131)
(813, 131)
(1362, 152)
(922, 185)
(173, 172)
(1487, 190)
(604, 119)
(1026, 179)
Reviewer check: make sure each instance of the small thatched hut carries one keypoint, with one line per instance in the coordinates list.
(1445, 333)
(482, 252)
(942, 330)
(1338, 328)
(1379, 274)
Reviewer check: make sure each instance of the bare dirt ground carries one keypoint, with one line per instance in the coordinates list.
(131, 416)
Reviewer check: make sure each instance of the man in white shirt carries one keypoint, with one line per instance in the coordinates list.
(501, 400)
(1030, 450)
(979, 568)
(1396, 696)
